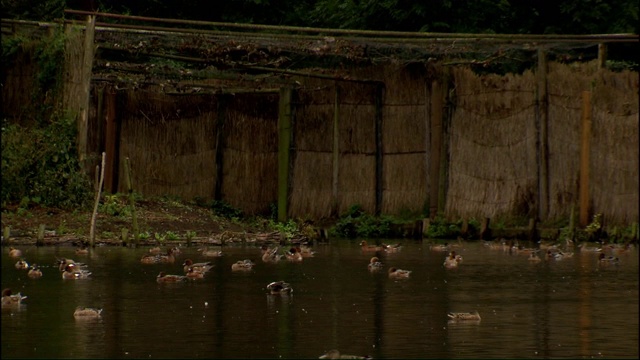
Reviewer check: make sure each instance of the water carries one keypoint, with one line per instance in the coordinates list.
(571, 308)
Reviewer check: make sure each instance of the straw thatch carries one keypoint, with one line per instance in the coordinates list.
(492, 153)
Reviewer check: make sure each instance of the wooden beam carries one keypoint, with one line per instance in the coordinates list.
(585, 150)
(602, 56)
(543, 135)
(87, 66)
(336, 151)
(436, 145)
(284, 148)
(221, 115)
(379, 150)
(111, 140)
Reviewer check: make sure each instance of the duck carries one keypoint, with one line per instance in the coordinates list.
(391, 248)
(305, 251)
(533, 257)
(242, 265)
(440, 247)
(167, 278)
(34, 272)
(167, 258)
(191, 273)
(15, 253)
(9, 299)
(270, 255)
(87, 313)
(395, 273)
(464, 316)
(366, 247)
(293, 255)
(202, 267)
(210, 253)
(155, 250)
(375, 264)
(604, 259)
(279, 288)
(71, 271)
(63, 262)
(82, 250)
(335, 354)
(451, 261)
(22, 264)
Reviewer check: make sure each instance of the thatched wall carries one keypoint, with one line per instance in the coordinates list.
(19, 86)
(613, 180)
(492, 151)
(250, 175)
(170, 143)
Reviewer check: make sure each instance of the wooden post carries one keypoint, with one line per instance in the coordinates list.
(95, 205)
(542, 140)
(127, 175)
(111, 139)
(532, 230)
(40, 239)
(284, 147)
(485, 230)
(6, 234)
(436, 145)
(585, 149)
(379, 149)
(602, 56)
(220, 144)
(336, 151)
(444, 144)
(87, 65)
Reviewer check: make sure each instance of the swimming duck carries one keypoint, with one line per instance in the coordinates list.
(279, 288)
(305, 251)
(22, 264)
(165, 278)
(34, 272)
(71, 271)
(375, 264)
(367, 248)
(87, 313)
(14, 253)
(202, 267)
(210, 253)
(9, 299)
(440, 247)
(391, 248)
(270, 255)
(395, 273)
(464, 316)
(63, 262)
(82, 250)
(451, 261)
(167, 258)
(155, 250)
(533, 257)
(193, 274)
(604, 259)
(335, 354)
(242, 265)
(293, 255)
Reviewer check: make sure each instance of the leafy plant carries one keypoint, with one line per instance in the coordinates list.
(170, 235)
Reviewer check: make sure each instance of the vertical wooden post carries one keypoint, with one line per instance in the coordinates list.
(221, 111)
(336, 151)
(132, 202)
(436, 146)
(95, 205)
(87, 65)
(379, 149)
(444, 144)
(542, 141)
(585, 149)
(111, 134)
(40, 239)
(284, 147)
(602, 56)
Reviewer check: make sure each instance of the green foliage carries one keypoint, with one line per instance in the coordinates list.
(171, 236)
(357, 223)
(222, 208)
(115, 205)
(439, 227)
(40, 166)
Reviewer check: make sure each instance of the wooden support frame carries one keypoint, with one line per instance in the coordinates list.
(285, 131)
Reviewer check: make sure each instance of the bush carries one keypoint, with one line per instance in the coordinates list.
(40, 165)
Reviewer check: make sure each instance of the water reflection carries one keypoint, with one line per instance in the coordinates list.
(570, 307)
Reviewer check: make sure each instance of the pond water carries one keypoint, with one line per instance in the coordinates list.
(570, 308)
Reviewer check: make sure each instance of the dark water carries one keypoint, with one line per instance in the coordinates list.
(572, 308)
